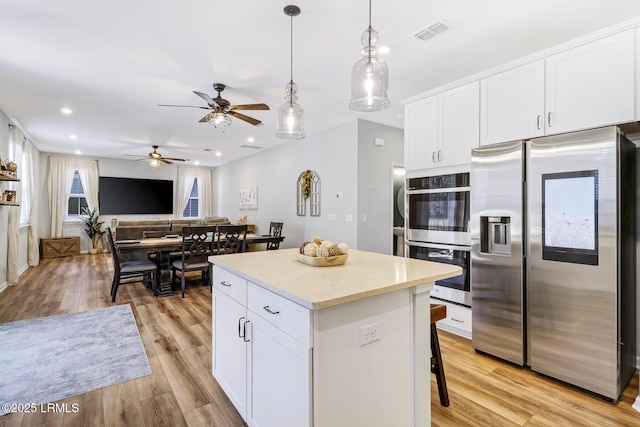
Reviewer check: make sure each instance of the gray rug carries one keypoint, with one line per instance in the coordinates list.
(51, 358)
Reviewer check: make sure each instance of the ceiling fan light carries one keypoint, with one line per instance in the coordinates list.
(219, 119)
(290, 115)
(369, 76)
(155, 163)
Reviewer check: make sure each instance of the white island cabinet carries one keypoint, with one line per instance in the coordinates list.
(296, 345)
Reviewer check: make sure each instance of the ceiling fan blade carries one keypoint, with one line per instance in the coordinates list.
(249, 107)
(187, 106)
(163, 160)
(207, 98)
(205, 119)
(173, 158)
(247, 119)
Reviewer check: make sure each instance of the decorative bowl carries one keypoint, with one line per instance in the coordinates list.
(322, 261)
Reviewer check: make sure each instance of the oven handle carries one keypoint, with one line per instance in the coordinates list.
(409, 191)
(439, 246)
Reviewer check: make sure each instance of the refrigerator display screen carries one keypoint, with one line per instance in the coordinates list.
(570, 217)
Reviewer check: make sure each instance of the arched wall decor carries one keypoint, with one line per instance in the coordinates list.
(308, 187)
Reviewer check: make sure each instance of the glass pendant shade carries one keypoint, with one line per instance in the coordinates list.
(369, 77)
(218, 119)
(290, 115)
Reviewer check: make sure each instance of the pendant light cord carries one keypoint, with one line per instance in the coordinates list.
(291, 62)
(369, 31)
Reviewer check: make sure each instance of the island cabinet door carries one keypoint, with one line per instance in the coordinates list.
(280, 372)
(230, 349)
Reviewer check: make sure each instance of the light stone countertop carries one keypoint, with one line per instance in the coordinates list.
(365, 274)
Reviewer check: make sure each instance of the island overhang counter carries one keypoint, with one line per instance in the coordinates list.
(295, 344)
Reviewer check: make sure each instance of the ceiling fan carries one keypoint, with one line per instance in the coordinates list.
(221, 109)
(154, 157)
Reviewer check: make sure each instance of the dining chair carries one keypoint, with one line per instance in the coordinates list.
(275, 229)
(231, 239)
(144, 268)
(197, 246)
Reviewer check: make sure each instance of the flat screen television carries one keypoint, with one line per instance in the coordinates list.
(570, 217)
(135, 196)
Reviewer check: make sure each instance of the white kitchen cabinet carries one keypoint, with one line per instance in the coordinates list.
(588, 86)
(441, 130)
(591, 85)
(421, 134)
(512, 104)
(263, 369)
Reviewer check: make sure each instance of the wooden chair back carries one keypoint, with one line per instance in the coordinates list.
(231, 239)
(275, 229)
(197, 244)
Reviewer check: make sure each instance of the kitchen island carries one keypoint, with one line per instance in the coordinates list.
(297, 345)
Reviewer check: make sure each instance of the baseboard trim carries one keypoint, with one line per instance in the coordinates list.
(636, 404)
(3, 286)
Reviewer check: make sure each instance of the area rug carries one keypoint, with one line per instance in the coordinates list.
(51, 358)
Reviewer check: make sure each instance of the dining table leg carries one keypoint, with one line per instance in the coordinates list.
(164, 282)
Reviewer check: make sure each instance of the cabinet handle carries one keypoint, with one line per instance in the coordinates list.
(456, 320)
(439, 156)
(240, 334)
(244, 335)
(223, 283)
(268, 310)
(433, 157)
(549, 119)
(538, 121)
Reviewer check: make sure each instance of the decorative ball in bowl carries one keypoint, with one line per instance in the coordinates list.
(323, 253)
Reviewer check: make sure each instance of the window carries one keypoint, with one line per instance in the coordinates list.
(77, 201)
(191, 210)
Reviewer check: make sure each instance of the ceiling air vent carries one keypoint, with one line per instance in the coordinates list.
(253, 147)
(431, 30)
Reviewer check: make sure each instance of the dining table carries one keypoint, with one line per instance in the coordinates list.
(164, 246)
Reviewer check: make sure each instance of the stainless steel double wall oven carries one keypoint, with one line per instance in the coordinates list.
(437, 229)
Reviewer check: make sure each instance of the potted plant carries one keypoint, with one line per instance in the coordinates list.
(93, 228)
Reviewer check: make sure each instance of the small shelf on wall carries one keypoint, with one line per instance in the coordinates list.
(9, 203)
(4, 176)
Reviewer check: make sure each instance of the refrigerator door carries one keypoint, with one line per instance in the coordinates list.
(496, 250)
(572, 259)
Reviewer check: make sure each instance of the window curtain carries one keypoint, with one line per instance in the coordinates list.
(186, 177)
(61, 171)
(29, 194)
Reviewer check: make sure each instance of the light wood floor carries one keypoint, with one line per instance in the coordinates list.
(176, 334)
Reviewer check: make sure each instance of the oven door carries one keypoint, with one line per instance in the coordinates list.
(439, 216)
(454, 289)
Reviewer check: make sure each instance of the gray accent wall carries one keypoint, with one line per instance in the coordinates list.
(355, 177)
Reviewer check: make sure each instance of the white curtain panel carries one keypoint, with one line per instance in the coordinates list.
(88, 171)
(186, 177)
(29, 197)
(61, 172)
(185, 184)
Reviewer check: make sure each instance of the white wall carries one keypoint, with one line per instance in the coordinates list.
(375, 184)
(4, 210)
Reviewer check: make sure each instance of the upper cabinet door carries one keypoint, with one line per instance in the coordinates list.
(591, 85)
(459, 124)
(421, 134)
(512, 104)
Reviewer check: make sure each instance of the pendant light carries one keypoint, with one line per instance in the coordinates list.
(370, 76)
(291, 114)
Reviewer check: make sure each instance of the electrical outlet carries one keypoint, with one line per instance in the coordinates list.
(369, 333)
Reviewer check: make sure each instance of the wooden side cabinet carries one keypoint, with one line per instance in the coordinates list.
(59, 247)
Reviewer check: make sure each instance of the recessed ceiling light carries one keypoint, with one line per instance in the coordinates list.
(78, 152)
(383, 50)
(73, 136)
(218, 153)
(196, 163)
(251, 139)
(66, 111)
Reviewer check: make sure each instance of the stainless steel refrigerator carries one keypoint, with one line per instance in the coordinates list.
(553, 256)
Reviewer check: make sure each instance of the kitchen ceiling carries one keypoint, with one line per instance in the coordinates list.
(113, 62)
